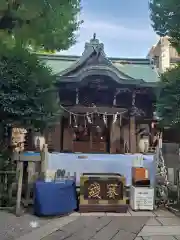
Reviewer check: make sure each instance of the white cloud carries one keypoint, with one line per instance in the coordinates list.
(111, 33)
(114, 30)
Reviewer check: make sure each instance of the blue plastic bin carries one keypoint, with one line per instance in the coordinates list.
(54, 198)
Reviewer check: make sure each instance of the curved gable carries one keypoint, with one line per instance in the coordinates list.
(95, 61)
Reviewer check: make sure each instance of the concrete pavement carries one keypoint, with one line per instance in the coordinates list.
(12, 227)
(157, 225)
(160, 224)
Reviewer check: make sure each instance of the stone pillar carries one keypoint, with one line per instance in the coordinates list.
(132, 134)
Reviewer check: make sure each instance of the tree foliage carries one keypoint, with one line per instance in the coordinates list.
(45, 24)
(165, 15)
(27, 86)
(27, 90)
(168, 102)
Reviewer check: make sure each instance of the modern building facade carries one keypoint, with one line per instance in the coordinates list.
(163, 55)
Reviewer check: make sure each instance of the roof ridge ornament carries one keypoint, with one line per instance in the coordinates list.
(94, 40)
(94, 45)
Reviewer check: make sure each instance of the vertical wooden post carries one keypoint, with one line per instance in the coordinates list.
(132, 134)
(19, 187)
(62, 134)
(160, 141)
(31, 178)
(110, 136)
(90, 141)
(44, 161)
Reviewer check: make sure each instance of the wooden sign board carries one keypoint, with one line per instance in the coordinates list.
(110, 189)
(102, 192)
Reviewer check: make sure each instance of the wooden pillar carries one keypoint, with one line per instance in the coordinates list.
(112, 133)
(19, 187)
(29, 143)
(53, 136)
(62, 132)
(56, 136)
(132, 134)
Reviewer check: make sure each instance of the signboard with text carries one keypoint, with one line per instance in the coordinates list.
(102, 192)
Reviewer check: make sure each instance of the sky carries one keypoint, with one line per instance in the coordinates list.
(123, 26)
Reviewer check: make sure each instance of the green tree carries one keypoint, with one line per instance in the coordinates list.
(44, 24)
(165, 15)
(27, 89)
(168, 102)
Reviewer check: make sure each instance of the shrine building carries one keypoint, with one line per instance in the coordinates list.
(105, 101)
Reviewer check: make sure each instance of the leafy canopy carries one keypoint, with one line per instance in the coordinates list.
(27, 92)
(165, 15)
(27, 86)
(168, 102)
(45, 24)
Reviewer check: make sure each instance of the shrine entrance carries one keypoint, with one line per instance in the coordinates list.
(92, 136)
(96, 132)
(104, 106)
(103, 115)
(95, 117)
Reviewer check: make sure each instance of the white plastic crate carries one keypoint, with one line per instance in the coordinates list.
(141, 198)
(138, 160)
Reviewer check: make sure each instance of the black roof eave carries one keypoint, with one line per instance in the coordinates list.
(134, 82)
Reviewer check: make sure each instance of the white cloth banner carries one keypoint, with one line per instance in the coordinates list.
(99, 163)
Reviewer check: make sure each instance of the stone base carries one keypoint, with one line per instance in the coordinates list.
(103, 208)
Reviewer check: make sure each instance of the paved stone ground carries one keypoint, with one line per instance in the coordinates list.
(156, 225)
(131, 226)
(12, 227)
(100, 228)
